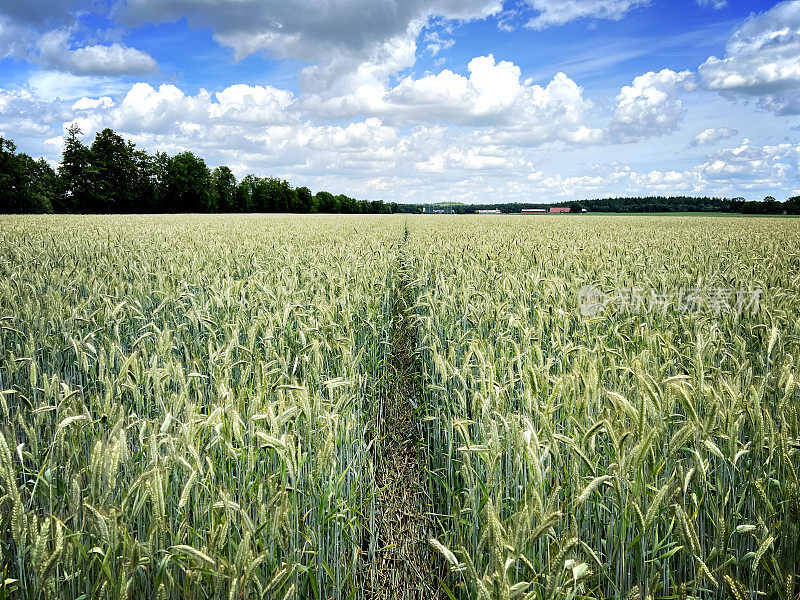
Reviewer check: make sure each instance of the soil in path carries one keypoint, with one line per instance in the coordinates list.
(405, 567)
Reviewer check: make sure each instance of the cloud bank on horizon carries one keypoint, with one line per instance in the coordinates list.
(425, 100)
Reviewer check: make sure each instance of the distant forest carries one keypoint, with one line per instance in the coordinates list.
(651, 204)
(112, 176)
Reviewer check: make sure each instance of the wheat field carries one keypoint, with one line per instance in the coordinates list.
(396, 407)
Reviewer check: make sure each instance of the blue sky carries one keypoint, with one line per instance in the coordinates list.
(425, 100)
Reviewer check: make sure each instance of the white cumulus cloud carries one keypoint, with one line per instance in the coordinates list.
(93, 103)
(712, 135)
(762, 59)
(55, 53)
(560, 12)
(715, 4)
(650, 106)
(493, 98)
(751, 166)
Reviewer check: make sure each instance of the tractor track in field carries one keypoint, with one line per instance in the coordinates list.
(405, 567)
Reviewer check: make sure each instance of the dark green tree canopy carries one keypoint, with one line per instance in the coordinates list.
(26, 185)
(75, 175)
(114, 173)
(187, 182)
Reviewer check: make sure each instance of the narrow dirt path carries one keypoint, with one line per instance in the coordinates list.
(404, 563)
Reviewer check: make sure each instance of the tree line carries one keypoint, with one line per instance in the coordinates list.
(768, 206)
(113, 176)
(650, 204)
(468, 209)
